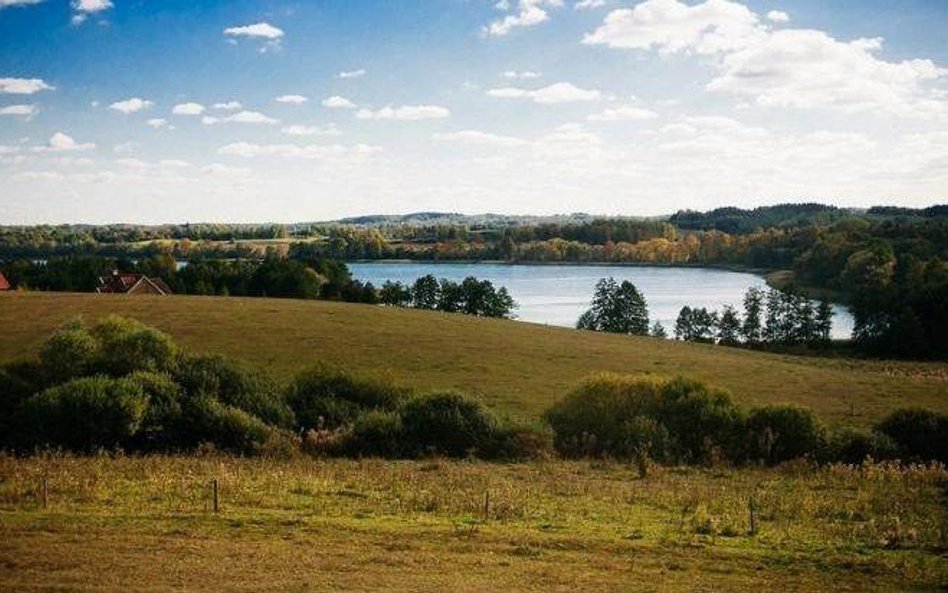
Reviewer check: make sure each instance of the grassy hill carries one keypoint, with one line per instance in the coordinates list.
(517, 367)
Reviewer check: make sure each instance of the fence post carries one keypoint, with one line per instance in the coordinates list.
(214, 488)
(45, 490)
(486, 505)
(752, 507)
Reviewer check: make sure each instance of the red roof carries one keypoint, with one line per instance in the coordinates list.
(123, 283)
(4, 285)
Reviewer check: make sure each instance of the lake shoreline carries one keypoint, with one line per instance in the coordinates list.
(597, 264)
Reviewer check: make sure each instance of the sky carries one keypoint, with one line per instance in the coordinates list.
(148, 111)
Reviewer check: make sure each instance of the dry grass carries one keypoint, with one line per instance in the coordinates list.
(299, 525)
(518, 367)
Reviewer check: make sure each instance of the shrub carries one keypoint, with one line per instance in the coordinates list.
(84, 414)
(18, 381)
(630, 417)
(918, 433)
(327, 397)
(375, 433)
(126, 346)
(854, 446)
(235, 385)
(228, 428)
(514, 441)
(781, 433)
(446, 423)
(69, 353)
(162, 425)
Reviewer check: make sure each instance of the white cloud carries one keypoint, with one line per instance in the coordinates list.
(528, 13)
(337, 102)
(23, 86)
(294, 151)
(241, 117)
(300, 130)
(9, 3)
(25, 110)
(188, 109)
(157, 123)
(228, 106)
(778, 16)
(522, 75)
(131, 105)
(560, 92)
(673, 26)
(9, 149)
(83, 8)
(351, 73)
(220, 169)
(624, 113)
(61, 142)
(478, 138)
(258, 30)
(589, 4)
(292, 99)
(405, 113)
(800, 68)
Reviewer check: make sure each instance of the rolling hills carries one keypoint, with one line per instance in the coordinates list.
(519, 368)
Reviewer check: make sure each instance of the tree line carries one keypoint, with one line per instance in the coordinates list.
(470, 296)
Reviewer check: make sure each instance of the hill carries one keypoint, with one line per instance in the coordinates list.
(519, 368)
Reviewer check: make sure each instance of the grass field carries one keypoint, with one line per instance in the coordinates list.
(516, 367)
(146, 524)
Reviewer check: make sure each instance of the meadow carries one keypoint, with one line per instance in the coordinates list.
(517, 368)
(147, 524)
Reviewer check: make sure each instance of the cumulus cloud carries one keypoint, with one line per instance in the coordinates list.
(61, 142)
(351, 73)
(24, 110)
(228, 106)
(131, 105)
(778, 16)
(300, 130)
(292, 99)
(294, 151)
(241, 117)
(526, 13)
(9, 3)
(82, 9)
(799, 68)
(624, 113)
(337, 102)
(560, 92)
(478, 138)
(405, 113)
(589, 4)
(521, 75)
(188, 109)
(157, 123)
(23, 86)
(257, 30)
(224, 170)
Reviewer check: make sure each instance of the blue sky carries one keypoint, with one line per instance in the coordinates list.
(161, 111)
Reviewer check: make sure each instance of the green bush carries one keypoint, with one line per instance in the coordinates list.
(161, 427)
(235, 385)
(84, 414)
(781, 433)
(919, 434)
(854, 446)
(18, 381)
(327, 397)
(627, 417)
(515, 441)
(228, 428)
(375, 433)
(446, 423)
(69, 353)
(126, 346)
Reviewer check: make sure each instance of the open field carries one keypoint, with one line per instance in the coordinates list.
(146, 524)
(517, 367)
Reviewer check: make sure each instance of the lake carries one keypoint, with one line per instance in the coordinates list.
(557, 294)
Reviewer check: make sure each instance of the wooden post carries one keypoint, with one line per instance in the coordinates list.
(752, 507)
(214, 488)
(45, 490)
(486, 505)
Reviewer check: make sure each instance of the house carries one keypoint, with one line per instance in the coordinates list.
(122, 283)
(4, 284)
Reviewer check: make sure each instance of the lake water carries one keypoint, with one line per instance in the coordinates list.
(558, 294)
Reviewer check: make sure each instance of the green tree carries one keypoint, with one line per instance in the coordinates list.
(753, 307)
(616, 308)
(426, 292)
(729, 327)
